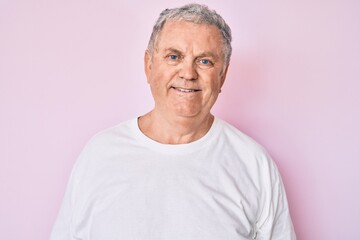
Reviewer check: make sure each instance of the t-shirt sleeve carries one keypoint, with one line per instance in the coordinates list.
(62, 227)
(275, 222)
(64, 224)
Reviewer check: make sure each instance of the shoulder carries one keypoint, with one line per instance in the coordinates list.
(114, 133)
(99, 152)
(243, 152)
(106, 143)
(239, 140)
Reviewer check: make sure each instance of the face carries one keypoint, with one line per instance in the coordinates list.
(186, 69)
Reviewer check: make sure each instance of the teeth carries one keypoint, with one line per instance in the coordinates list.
(185, 90)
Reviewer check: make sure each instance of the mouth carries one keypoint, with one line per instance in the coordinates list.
(184, 90)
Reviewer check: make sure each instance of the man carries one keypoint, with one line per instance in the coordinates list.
(177, 172)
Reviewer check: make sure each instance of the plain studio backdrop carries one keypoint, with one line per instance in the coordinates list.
(71, 68)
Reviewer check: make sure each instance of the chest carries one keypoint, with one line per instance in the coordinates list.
(147, 199)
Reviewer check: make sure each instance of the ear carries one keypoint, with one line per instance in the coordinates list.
(223, 76)
(147, 64)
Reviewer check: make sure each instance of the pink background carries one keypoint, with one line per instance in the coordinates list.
(71, 68)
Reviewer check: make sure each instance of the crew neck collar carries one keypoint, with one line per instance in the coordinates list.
(176, 148)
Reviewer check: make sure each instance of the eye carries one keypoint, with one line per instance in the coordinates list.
(204, 61)
(173, 57)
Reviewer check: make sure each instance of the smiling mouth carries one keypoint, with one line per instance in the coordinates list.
(185, 90)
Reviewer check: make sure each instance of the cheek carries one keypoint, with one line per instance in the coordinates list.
(158, 83)
(213, 83)
(214, 87)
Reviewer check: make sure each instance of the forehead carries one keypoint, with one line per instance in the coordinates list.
(184, 35)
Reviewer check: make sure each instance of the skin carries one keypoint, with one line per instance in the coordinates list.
(185, 73)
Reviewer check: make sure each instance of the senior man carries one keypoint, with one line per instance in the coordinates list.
(177, 172)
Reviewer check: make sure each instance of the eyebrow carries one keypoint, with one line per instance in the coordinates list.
(173, 50)
(208, 54)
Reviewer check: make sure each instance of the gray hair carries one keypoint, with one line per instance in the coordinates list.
(196, 13)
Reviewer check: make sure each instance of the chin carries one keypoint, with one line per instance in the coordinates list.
(187, 114)
(186, 110)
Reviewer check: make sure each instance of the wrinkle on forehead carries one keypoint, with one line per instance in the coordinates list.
(169, 29)
(192, 40)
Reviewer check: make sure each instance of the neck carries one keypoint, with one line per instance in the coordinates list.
(178, 130)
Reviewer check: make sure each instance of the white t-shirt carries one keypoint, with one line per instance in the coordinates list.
(126, 186)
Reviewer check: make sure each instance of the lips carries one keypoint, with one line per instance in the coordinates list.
(185, 90)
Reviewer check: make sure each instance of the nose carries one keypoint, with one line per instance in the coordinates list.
(188, 70)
